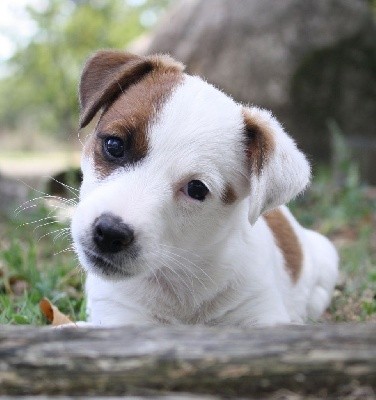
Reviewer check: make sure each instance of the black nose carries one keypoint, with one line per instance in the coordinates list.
(111, 235)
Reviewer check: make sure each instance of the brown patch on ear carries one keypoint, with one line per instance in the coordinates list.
(129, 117)
(105, 75)
(287, 241)
(259, 139)
(166, 62)
(229, 196)
(108, 73)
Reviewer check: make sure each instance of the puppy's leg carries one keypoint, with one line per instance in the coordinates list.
(276, 315)
(107, 312)
(265, 309)
(325, 264)
(77, 324)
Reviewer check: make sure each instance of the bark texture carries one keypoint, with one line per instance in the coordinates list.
(317, 360)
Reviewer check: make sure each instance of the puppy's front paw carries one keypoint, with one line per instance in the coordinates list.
(78, 324)
(273, 321)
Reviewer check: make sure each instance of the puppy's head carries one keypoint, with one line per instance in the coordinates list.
(170, 164)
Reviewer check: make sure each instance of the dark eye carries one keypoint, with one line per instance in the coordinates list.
(196, 189)
(114, 147)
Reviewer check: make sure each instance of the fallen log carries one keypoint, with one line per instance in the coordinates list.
(318, 360)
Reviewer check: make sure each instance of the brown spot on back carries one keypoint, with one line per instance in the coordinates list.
(287, 241)
(229, 196)
(130, 115)
(259, 139)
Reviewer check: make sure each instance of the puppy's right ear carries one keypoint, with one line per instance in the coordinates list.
(279, 171)
(105, 75)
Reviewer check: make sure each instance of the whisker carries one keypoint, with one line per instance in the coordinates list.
(70, 248)
(190, 289)
(183, 281)
(69, 202)
(21, 206)
(79, 137)
(71, 189)
(169, 281)
(27, 208)
(51, 233)
(170, 255)
(41, 225)
(33, 188)
(36, 221)
(185, 269)
(190, 261)
(56, 207)
(151, 269)
(62, 235)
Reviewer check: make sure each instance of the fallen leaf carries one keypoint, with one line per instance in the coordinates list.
(53, 314)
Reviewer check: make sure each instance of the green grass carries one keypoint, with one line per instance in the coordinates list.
(34, 265)
(345, 211)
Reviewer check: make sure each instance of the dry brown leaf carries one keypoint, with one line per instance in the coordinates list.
(53, 314)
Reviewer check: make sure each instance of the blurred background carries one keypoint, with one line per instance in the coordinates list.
(312, 62)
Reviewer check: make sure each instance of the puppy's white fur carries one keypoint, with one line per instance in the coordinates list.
(204, 262)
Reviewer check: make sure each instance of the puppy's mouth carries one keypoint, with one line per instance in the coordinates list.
(106, 267)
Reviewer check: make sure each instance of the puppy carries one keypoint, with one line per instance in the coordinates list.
(181, 217)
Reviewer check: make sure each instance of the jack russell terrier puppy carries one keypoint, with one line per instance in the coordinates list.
(181, 217)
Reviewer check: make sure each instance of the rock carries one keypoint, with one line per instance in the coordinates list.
(310, 62)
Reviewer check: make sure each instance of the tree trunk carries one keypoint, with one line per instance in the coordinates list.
(315, 360)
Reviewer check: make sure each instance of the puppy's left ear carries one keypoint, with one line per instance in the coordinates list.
(108, 73)
(105, 75)
(278, 170)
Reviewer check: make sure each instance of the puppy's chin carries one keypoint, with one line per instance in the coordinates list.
(106, 268)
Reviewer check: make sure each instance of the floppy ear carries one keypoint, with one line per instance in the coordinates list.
(105, 75)
(278, 170)
(108, 73)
